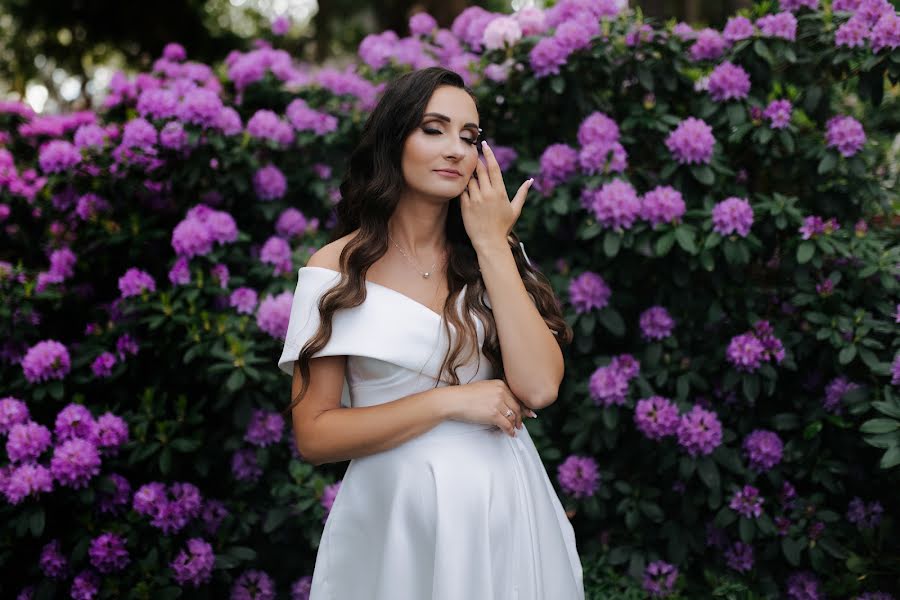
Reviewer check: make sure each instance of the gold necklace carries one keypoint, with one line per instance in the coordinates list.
(426, 274)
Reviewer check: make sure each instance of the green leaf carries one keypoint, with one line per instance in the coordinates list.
(236, 380)
(665, 243)
(812, 430)
(36, 522)
(242, 552)
(613, 321)
(165, 460)
(847, 354)
(558, 84)
(708, 472)
(880, 426)
(185, 444)
(891, 458)
(611, 243)
(703, 174)
(827, 163)
(747, 530)
(685, 240)
(805, 252)
(792, 549)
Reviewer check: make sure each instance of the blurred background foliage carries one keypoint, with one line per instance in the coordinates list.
(59, 56)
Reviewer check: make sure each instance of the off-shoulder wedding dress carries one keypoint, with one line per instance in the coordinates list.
(461, 512)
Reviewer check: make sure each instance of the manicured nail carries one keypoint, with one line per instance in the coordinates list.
(484, 144)
(532, 413)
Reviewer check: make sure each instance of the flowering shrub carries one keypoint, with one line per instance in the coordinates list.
(713, 208)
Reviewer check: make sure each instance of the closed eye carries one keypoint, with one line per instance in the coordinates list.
(469, 141)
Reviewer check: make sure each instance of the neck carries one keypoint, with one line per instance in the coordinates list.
(418, 227)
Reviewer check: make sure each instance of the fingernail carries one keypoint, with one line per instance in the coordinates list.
(484, 144)
(533, 414)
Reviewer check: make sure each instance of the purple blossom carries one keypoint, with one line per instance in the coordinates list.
(291, 223)
(253, 585)
(103, 364)
(699, 431)
(615, 205)
(244, 465)
(200, 106)
(243, 299)
(746, 352)
(608, 386)
(588, 292)
(764, 449)
(864, 516)
(656, 417)
(180, 273)
(276, 251)
(328, 496)
(895, 370)
(300, 589)
(662, 204)
(732, 216)
(691, 142)
(269, 183)
(266, 125)
(118, 499)
(803, 585)
(108, 554)
(26, 480)
(659, 579)
(157, 103)
(779, 113)
(75, 462)
(136, 282)
(422, 23)
(90, 205)
(75, 421)
(547, 56)
(194, 564)
(558, 163)
(174, 52)
(835, 391)
(708, 45)
(265, 428)
(126, 345)
(90, 136)
(57, 156)
(53, 562)
(728, 82)
(846, 134)
(739, 557)
(598, 127)
(602, 157)
(139, 133)
(781, 25)
(173, 136)
(281, 25)
(886, 32)
(852, 34)
(45, 360)
(273, 314)
(578, 476)
(656, 323)
(738, 28)
(814, 226)
(111, 431)
(27, 441)
(12, 412)
(501, 32)
(85, 586)
(747, 502)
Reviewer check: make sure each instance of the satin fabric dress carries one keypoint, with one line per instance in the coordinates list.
(461, 512)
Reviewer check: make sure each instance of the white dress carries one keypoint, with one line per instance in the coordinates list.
(461, 512)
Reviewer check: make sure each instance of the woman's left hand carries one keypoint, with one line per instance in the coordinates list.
(487, 213)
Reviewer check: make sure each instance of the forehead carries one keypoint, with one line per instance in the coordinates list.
(454, 102)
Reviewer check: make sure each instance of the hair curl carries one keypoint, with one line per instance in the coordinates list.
(369, 192)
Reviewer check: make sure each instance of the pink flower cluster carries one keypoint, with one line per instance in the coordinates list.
(201, 227)
(578, 476)
(608, 385)
(748, 350)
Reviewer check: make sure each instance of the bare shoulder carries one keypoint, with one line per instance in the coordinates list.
(328, 256)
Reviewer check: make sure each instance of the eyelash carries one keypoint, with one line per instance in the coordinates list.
(429, 131)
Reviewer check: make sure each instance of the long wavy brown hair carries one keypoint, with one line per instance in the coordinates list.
(369, 193)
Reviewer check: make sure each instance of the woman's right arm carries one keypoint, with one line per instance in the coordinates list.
(326, 432)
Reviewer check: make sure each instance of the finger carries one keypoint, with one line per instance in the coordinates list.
(518, 200)
(484, 177)
(493, 166)
(474, 189)
(506, 425)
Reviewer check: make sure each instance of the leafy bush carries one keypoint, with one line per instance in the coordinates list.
(717, 210)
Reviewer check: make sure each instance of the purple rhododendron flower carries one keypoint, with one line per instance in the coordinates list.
(578, 476)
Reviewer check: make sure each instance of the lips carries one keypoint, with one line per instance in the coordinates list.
(448, 171)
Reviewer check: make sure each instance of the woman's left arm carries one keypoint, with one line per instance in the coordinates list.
(532, 359)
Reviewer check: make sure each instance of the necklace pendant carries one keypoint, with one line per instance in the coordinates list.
(426, 275)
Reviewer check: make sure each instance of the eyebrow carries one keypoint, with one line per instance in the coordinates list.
(447, 119)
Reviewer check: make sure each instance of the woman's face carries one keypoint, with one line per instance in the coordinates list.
(445, 140)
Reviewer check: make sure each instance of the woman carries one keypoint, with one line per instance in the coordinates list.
(445, 496)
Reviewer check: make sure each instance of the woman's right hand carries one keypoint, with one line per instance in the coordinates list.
(486, 402)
